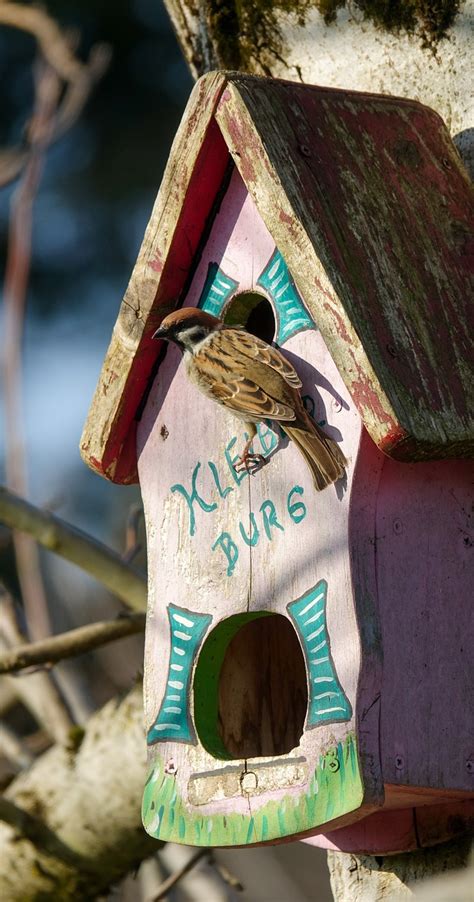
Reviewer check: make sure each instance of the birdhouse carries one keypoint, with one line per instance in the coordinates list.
(306, 652)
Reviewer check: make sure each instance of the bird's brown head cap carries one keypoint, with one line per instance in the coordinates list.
(185, 318)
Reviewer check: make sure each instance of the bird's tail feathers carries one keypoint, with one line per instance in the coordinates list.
(322, 454)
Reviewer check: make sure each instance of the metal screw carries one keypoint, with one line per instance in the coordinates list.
(392, 350)
(399, 762)
(397, 527)
(446, 163)
(337, 404)
(470, 766)
(305, 150)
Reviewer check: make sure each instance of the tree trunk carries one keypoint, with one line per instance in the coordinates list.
(391, 878)
(428, 58)
(74, 823)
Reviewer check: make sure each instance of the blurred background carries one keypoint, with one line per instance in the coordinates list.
(94, 200)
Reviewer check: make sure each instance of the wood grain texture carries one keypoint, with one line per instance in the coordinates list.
(425, 573)
(367, 200)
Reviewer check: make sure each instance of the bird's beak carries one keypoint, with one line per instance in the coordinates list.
(160, 333)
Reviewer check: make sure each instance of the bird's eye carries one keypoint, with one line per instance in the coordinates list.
(197, 333)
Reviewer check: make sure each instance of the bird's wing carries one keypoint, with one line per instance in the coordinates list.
(242, 383)
(254, 348)
(245, 397)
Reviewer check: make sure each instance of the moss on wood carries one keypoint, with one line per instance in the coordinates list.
(245, 30)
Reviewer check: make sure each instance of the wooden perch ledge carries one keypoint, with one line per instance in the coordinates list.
(76, 546)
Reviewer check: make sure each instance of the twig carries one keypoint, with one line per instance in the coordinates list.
(132, 545)
(39, 693)
(50, 38)
(225, 874)
(72, 643)
(12, 747)
(57, 51)
(47, 87)
(171, 881)
(76, 546)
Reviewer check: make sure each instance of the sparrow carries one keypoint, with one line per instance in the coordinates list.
(253, 380)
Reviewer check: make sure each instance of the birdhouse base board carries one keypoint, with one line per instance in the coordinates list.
(393, 832)
(403, 796)
(253, 802)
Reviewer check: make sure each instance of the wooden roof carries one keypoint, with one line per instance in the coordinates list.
(367, 200)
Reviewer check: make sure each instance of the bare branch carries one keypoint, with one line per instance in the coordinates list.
(171, 881)
(47, 88)
(57, 50)
(12, 747)
(74, 642)
(76, 546)
(50, 38)
(132, 544)
(38, 693)
(226, 875)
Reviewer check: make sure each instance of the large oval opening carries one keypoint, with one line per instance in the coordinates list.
(250, 688)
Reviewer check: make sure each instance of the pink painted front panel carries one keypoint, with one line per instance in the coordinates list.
(295, 547)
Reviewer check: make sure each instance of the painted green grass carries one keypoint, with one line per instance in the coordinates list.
(334, 789)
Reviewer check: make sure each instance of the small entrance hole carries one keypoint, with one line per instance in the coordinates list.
(250, 689)
(253, 311)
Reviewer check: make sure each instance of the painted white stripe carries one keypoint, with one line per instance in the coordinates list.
(323, 680)
(175, 684)
(178, 651)
(330, 710)
(294, 325)
(184, 636)
(172, 698)
(316, 648)
(173, 710)
(224, 284)
(274, 268)
(316, 633)
(326, 695)
(318, 661)
(167, 726)
(282, 290)
(217, 290)
(277, 281)
(314, 617)
(184, 621)
(311, 604)
(177, 667)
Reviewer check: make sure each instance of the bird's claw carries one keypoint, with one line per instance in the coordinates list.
(249, 462)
